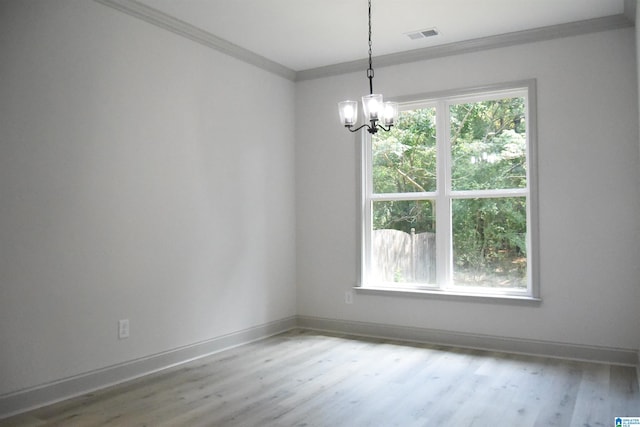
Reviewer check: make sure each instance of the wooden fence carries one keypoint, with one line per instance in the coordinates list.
(404, 257)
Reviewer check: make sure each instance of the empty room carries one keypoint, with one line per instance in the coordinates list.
(319, 213)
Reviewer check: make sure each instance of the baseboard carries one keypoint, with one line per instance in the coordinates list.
(617, 356)
(28, 399)
(24, 400)
(638, 369)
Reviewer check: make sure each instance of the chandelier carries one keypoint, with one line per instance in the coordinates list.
(377, 113)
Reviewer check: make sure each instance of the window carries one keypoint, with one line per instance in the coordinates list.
(448, 200)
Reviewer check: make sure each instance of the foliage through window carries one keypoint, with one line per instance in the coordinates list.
(447, 196)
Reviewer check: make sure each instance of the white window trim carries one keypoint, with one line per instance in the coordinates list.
(445, 98)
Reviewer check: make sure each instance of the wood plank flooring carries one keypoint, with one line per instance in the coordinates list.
(304, 378)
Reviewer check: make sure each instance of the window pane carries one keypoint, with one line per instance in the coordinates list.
(489, 242)
(404, 159)
(403, 245)
(488, 145)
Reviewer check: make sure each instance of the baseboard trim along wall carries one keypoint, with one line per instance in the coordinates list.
(24, 400)
(638, 368)
(46, 394)
(616, 356)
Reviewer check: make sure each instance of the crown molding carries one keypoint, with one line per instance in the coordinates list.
(162, 20)
(606, 23)
(184, 29)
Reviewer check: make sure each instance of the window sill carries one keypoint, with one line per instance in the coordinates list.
(450, 295)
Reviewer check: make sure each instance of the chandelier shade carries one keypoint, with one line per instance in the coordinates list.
(348, 112)
(372, 106)
(390, 113)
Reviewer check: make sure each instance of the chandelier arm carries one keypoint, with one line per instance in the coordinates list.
(358, 128)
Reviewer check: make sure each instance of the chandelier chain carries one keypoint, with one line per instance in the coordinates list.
(370, 69)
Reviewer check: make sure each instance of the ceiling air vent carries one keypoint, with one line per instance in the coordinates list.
(422, 34)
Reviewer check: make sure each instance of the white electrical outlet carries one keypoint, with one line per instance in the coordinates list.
(348, 297)
(123, 329)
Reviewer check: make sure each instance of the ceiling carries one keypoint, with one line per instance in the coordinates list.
(306, 34)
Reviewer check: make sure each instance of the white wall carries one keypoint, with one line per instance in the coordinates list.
(637, 21)
(142, 176)
(589, 205)
(127, 190)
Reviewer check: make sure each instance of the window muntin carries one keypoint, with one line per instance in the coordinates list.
(469, 156)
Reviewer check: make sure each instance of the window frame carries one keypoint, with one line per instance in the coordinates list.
(444, 195)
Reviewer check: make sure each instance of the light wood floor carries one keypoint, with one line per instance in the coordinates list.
(304, 378)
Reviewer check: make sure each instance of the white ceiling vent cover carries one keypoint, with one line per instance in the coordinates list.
(423, 34)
